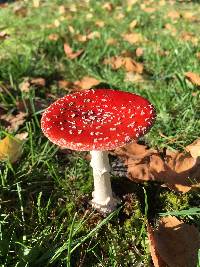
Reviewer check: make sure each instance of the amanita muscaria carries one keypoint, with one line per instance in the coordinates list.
(98, 121)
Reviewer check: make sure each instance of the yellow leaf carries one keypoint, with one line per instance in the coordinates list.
(10, 148)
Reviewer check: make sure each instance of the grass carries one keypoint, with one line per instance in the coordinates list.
(45, 218)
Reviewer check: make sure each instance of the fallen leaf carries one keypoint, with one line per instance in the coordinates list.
(119, 16)
(129, 64)
(139, 52)
(81, 38)
(189, 37)
(36, 3)
(10, 149)
(71, 29)
(174, 15)
(170, 28)
(62, 9)
(63, 84)
(3, 5)
(20, 10)
(111, 41)
(176, 242)
(86, 82)
(40, 82)
(157, 261)
(53, 37)
(69, 52)
(56, 23)
(130, 3)
(100, 23)
(89, 16)
(188, 16)
(198, 55)
(93, 35)
(132, 38)
(13, 122)
(149, 9)
(133, 24)
(27, 82)
(179, 171)
(133, 77)
(22, 136)
(3, 35)
(25, 85)
(194, 78)
(107, 6)
(162, 3)
(194, 149)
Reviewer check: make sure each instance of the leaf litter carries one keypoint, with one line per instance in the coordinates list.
(174, 243)
(178, 171)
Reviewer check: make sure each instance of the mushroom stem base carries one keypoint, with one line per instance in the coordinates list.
(103, 198)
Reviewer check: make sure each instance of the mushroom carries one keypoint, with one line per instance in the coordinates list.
(98, 121)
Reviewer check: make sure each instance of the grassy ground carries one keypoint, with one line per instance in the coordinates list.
(45, 217)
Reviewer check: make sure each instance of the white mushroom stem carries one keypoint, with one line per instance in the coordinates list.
(103, 198)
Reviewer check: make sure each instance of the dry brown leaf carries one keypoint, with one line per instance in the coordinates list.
(25, 85)
(132, 38)
(177, 243)
(22, 136)
(194, 148)
(3, 35)
(194, 78)
(170, 28)
(86, 82)
(69, 52)
(63, 84)
(129, 64)
(93, 35)
(133, 77)
(20, 10)
(111, 41)
(187, 15)
(27, 82)
(100, 23)
(174, 15)
(53, 37)
(149, 9)
(107, 6)
(40, 82)
(13, 122)
(139, 52)
(130, 3)
(3, 5)
(10, 149)
(189, 37)
(178, 171)
(81, 38)
(157, 261)
(133, 24)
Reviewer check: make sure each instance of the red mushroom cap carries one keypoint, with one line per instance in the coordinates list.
(99, 119)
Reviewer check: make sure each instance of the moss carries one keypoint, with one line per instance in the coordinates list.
(173, 201)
